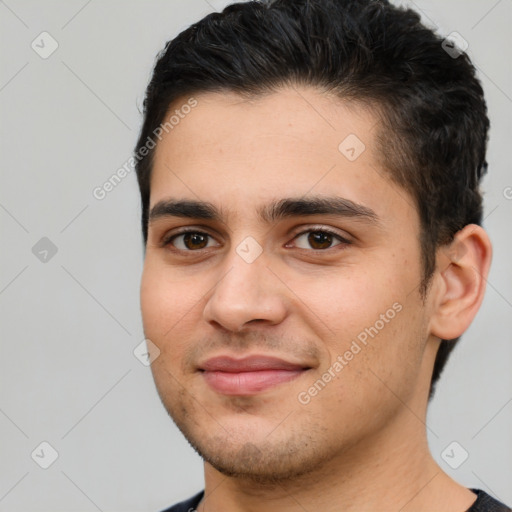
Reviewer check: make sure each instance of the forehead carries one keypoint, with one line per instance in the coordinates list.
(238, 152)
(302, 119)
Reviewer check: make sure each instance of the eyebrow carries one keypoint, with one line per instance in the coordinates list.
(278, 210)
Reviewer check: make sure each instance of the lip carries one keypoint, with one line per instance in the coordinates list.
(248, 364)
(249, 375)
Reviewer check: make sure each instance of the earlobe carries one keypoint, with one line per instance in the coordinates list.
(462, 270)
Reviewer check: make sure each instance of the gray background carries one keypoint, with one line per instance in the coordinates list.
(70, 323)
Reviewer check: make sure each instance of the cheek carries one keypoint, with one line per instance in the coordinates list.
(347, 301)
(368, 382)
(153, 300)
(171, 311)
(163, 302)
(366, 318)
(163, 295)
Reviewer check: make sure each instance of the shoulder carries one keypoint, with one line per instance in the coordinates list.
(186, 506)
(486, 503)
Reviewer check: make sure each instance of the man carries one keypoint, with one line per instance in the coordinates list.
(309, 174)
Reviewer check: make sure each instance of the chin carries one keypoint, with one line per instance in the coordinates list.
(258, 464)
(261, 455)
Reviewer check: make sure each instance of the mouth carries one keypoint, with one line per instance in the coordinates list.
(250, 375)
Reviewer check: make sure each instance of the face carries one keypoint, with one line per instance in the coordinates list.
(280, 283)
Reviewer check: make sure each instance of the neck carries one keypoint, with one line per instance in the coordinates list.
(393, 471)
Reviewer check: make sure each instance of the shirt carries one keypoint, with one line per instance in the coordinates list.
(483, 503)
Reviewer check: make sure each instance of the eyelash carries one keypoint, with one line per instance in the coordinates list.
(343, 241)
(320, 229)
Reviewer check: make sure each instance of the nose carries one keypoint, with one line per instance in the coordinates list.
(248, 293)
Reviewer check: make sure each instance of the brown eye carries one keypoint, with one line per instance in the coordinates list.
(319, 239)
(195, 241)
(190, 241)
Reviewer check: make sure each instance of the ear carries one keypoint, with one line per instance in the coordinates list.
(460, 279)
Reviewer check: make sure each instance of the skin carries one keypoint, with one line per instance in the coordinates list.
(360, 442)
